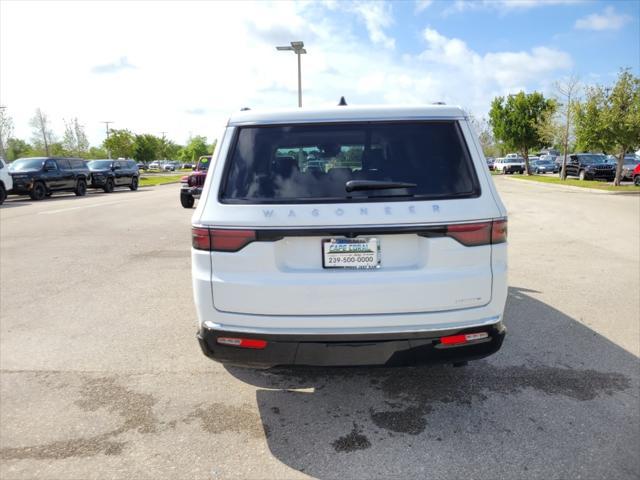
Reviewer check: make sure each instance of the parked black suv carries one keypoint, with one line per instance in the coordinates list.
(590, 166)
(108, 174)
(39, 177)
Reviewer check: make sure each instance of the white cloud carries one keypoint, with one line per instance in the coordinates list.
(195, 63)
(422, 5)
(377, 16)
(608, 20)
(504, 6)
(505, 70)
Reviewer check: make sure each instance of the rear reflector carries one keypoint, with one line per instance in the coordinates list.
(221, 240)
(242, 342)
(464, 338)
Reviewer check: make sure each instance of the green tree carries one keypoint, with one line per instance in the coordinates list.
(6, 131)
(167, 149)
(42, 133)
(516, 121)
(590, 123)
(195, 148)
(482, 128)
(17, 148)
(56, 149)
(146, 147)
(75, 139)
(609, 118)
(97, 152)
(121, 143)
(567, 92)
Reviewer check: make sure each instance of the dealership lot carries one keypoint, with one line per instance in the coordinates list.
(102, 376)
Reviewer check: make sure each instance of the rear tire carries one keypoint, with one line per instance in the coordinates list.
(134, 184)
(108, 186)
(38, 192)
(636, 180)
(3, 194)
(81, 188)
(187, 201)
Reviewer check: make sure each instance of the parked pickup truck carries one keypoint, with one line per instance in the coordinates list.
(590, 166)
(39, 177)
(109, 174)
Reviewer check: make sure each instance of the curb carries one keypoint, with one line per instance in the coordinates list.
(573, 188)
(160, 185)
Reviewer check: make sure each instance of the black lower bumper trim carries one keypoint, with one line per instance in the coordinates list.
(350, 350)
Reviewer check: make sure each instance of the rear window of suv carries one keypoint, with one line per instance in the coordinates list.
(313, 163)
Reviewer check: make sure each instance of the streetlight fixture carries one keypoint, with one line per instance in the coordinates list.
(298, 49)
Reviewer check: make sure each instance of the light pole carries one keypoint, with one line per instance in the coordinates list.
(107, 125)
(298, 49)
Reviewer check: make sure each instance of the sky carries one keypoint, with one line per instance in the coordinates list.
(184, 67)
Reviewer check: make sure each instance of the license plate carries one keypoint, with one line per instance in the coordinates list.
(362, 253)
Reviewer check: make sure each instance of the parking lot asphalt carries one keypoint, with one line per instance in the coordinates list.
(101, 375)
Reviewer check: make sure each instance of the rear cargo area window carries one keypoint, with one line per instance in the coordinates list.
(315, 163)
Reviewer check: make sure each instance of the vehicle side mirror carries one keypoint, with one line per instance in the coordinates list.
(116, 167)
(48, 168)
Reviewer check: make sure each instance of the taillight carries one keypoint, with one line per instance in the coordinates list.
(464, 338)
(483, 233)
(242, 342)
(471, 234)
(499, 231)
(219, 240)
(200, 238)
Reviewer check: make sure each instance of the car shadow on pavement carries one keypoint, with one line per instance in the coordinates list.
(559, 400)
(21, 201)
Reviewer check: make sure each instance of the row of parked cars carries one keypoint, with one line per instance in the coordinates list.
(585, 166)
(40, 177)
(165, 165)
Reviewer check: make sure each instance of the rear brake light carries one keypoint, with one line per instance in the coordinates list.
(242, 342)
(471, 234)
(221, 240)
(231, 240)
(464, 338)
(499, 231)
(200, 238)
(483, 233)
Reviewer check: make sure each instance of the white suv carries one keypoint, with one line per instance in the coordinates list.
(6, 181)
(349, 236)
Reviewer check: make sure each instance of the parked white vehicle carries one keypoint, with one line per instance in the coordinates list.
(6, 182)
(509, 165)
(392, 252)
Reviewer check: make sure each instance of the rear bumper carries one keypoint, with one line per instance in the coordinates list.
(389, 349)
(513, 169)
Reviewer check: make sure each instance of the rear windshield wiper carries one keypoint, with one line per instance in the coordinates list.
(354, 185)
